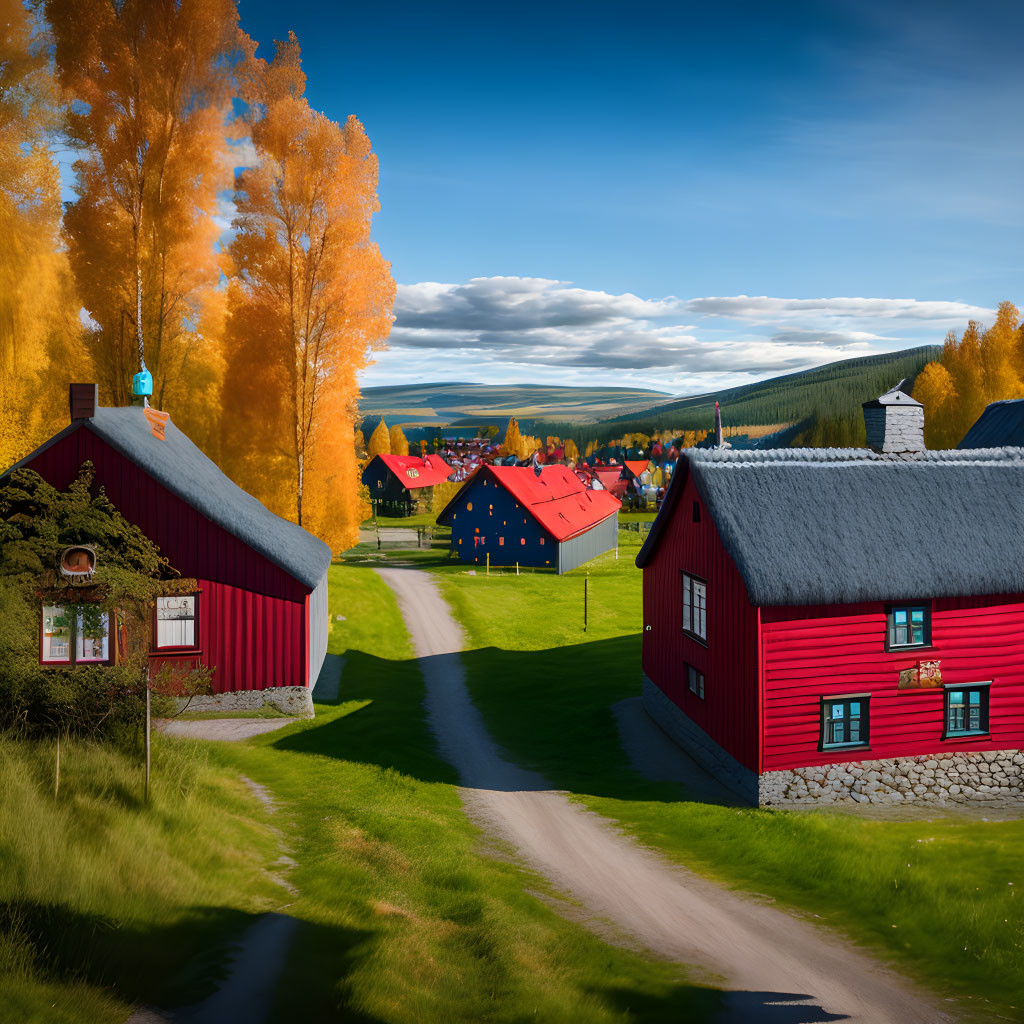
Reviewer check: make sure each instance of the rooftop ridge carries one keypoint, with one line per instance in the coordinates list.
(819, 456)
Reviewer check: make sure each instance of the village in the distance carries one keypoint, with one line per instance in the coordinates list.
(383, 650)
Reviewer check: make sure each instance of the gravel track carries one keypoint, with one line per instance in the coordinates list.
(774, 967)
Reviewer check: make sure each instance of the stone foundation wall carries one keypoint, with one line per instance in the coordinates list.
(291, 700)
(991, 776)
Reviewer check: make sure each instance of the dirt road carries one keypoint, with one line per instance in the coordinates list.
(775, 968)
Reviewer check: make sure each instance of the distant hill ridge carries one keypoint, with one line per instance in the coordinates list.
(822, 404)
(833, 391)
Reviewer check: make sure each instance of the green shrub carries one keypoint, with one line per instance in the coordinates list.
(81, 701)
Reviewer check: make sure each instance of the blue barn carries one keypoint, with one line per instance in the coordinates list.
(545, 518)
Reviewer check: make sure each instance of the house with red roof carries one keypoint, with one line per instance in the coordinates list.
(541, 516)
(402, 485)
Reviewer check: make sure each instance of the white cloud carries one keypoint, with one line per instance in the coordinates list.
(503, 328)
(762, 309)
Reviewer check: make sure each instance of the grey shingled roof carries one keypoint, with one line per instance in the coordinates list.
(836, 526)
(185, 471)
(1002, 423)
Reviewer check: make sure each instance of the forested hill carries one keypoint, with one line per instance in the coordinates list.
(827, 395)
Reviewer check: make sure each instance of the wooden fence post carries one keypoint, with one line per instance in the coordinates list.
(149, 725)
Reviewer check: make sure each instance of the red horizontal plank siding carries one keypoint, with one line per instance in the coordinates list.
(729, 712)
(827, 651)
(193, 544)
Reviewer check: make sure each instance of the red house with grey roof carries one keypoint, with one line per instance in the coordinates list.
(259, 614)
(843, 624)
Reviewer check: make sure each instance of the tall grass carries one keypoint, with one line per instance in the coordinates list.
(105, 900)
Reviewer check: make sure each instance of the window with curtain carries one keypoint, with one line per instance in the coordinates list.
(176, 621)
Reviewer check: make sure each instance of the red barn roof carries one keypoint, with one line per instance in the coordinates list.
(556, 498)
(414, 472)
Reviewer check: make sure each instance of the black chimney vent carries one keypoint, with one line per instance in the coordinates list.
(83, 399)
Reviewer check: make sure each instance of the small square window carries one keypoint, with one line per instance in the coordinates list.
(844, 722)
(908, 625)
(966, 710)
(695, 681)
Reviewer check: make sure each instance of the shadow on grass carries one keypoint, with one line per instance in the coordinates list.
(548, 711)
(175, 966)
(389, 731)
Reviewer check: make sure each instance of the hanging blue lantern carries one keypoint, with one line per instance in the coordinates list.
(142, 384)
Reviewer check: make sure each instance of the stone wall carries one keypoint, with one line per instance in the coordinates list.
(291, 700)
(992, 776)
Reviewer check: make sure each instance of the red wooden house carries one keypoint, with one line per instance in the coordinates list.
(825, 624)
(259, 615)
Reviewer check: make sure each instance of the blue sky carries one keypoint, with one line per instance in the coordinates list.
(587, 194)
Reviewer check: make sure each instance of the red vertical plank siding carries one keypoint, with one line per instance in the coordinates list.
(252, 613)
(729, 712)
(831, 651)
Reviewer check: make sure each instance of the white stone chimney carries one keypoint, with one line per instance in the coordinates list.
(894, 423)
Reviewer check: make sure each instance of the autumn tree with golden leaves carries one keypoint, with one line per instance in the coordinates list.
(380, 441)
(399, 442)
(983, 365)
(310, 299)
(149, 88)
(40, 334)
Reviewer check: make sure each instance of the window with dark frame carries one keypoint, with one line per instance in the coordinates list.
(175, 622)
(965, 710)
(844, 722)
(695, 600)
(908, 625)
(695, 681)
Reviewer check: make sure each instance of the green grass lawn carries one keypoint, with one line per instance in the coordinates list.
(938, 897)
(406, 915)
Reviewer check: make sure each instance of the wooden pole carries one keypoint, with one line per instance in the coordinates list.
(56, 779)
(488, 563)
(149, 724)
(517, 568)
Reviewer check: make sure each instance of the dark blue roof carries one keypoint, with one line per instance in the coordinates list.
(1001, 425)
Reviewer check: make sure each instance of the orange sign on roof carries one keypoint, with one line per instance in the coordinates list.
(157, 422)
